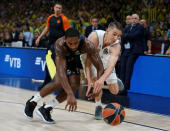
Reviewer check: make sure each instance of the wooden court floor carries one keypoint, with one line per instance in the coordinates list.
(12, 102)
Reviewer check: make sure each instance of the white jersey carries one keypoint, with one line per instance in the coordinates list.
(104, 54)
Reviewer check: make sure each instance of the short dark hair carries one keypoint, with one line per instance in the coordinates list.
(115, 24)
(71, 32)
(94, 17)
(58, 3)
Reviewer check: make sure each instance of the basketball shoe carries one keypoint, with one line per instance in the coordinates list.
(44, 113)
(29, 108)
(98, 113)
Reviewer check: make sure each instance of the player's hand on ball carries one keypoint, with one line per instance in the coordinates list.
(71, 103)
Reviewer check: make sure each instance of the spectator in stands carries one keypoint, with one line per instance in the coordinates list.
(28, 35)
(94, 26)
(36, 34)
(132, 41)
(14, 34)
(153, 35)
(127, 25)
(1, 39)
(128, 20)
(168, 51)
(167, 45)
(125, 49)
(56, 25)
(7, 39)
(158, 35)
(168, 33)
(156, 14)
(123, 43)
(21, 40)
(147, 37)
(165, 29)
(43, 42)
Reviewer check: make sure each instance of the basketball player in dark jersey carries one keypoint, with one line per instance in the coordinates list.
(67, 78)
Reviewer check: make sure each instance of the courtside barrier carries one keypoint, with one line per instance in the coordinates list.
(25, 62)
(151, 75)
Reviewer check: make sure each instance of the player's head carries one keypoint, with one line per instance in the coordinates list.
(57, 8)
(114, 32)
(72, 38)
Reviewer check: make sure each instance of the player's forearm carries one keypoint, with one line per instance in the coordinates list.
(88, 70)
(61, 72)
(100, 70)
(64, 82)
(66, 87)
(88, 74)
(97, 62)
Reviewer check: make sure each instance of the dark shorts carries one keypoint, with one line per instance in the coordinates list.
(73, 65)
(73, 72)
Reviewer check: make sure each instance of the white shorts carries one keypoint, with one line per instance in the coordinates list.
(110, 80)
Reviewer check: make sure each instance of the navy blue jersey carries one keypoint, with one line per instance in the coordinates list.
(73, 57)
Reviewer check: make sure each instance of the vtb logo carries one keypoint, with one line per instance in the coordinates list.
(14, 62)
(38, 61)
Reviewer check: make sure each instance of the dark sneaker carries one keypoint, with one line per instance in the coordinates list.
(44, 113)
(29, 108)
(98, 113)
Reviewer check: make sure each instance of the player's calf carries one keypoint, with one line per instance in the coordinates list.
(113, 88)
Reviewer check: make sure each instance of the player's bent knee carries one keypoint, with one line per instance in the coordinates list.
(113, 88)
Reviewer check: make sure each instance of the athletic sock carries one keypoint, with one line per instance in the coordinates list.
(52, 103)
(98, 103)
(36, 98)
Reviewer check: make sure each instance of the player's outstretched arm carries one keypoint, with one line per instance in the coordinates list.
(95, 59)
(115, 52)
(61, 72)
(88, 75)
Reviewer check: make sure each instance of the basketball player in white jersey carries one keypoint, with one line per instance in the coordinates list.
(108, 44)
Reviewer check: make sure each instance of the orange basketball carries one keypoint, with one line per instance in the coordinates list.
(113, 114)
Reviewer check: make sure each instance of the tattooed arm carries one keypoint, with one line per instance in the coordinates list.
(94, 58)
(61, 72)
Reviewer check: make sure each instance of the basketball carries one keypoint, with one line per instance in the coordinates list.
(113, 114)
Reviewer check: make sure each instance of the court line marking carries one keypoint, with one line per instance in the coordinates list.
(9, 102)
(89, 101)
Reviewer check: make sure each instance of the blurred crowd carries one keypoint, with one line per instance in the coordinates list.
(21, 22)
